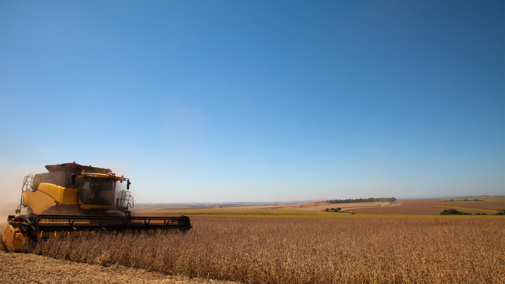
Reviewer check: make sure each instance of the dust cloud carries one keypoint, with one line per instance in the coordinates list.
(11, 183)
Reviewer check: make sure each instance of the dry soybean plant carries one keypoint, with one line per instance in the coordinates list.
(304, 250)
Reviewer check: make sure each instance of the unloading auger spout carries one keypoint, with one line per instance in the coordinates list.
(77, 200)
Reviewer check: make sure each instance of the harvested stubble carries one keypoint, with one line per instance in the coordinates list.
(344, 250)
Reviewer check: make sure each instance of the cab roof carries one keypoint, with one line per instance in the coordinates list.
(74, 167)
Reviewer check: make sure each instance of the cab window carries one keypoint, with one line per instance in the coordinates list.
(98, 191)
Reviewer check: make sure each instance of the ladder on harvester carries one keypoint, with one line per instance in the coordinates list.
(125, 200)
(27, 185)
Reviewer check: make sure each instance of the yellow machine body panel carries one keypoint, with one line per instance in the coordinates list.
(48, 195)
(38, 201)
(12, 238)
(98, 175)
(62, 195)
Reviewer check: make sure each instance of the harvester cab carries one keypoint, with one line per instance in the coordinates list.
(73, 199)
(74, 189)
(100, 191)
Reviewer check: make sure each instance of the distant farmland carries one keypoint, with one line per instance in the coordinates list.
(400, 207)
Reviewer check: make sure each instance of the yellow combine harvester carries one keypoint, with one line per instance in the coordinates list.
(77, 200)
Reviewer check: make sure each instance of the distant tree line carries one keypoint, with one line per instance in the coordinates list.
(453, 212)
(371, 199)
(456, 212)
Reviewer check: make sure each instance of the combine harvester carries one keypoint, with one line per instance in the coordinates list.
(76, 200)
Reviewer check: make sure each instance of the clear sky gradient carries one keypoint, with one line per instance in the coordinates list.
(219, 101)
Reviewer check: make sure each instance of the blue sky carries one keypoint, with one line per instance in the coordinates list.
(219, 101)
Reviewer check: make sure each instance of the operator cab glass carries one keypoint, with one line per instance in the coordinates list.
(97, 191)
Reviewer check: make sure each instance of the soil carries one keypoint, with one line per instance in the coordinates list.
(30, 268)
